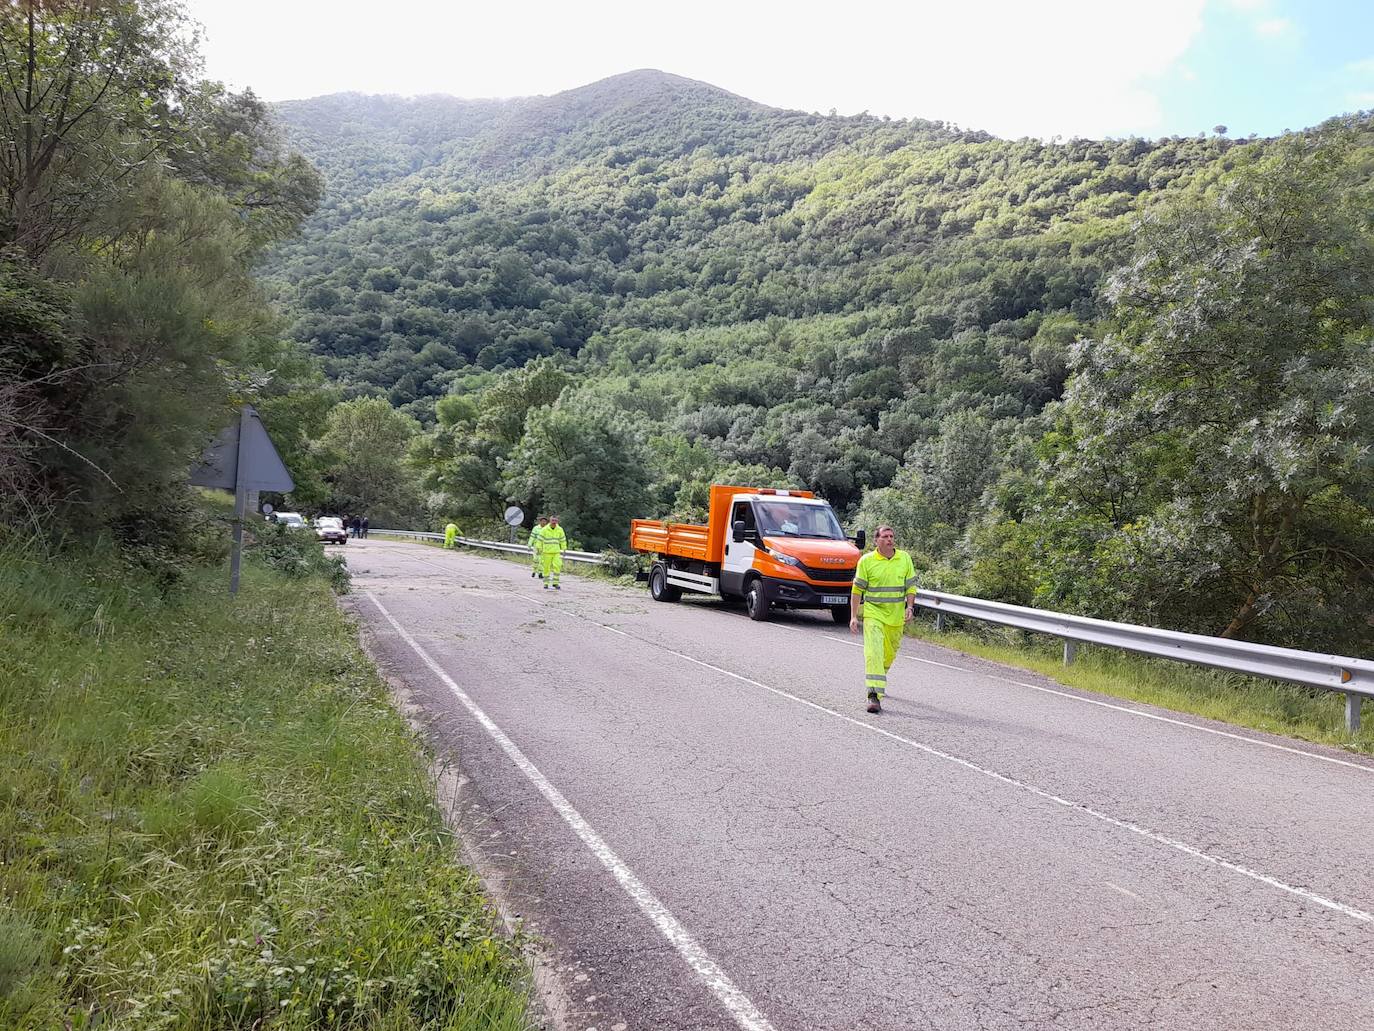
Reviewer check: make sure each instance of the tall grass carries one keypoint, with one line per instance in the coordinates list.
(210, 817)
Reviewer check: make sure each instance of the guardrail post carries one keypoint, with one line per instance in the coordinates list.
(939, 621)
(1070, 651)
(1352, 712)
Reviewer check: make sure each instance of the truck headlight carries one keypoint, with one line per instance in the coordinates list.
(786, 560)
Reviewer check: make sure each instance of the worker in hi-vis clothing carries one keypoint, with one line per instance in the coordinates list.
(450, 533)
(536, 546)
(885, 587)
(555, 543)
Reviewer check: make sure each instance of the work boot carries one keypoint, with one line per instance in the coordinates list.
(557, 588)
(546, 587)
(873, 704)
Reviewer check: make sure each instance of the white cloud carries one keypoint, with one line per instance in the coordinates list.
(1274, 28)
(1070, 67)
(1362, 100)
(1364, 68)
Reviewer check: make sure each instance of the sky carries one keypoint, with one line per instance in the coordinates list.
(1041, 68)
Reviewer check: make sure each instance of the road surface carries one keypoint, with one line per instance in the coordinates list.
(700, 824)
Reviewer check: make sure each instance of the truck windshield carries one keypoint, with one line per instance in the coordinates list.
(783, 518)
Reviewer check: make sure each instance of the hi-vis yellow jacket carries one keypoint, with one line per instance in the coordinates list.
(555, 540)
(883, 584)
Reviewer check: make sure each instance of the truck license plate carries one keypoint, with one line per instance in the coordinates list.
(835, 599)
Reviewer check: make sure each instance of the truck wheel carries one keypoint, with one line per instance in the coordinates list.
(755, 601)
(840, 614)
(659, 587)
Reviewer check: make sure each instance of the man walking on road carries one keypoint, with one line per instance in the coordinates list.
(555, 543)
(450, 533)
(884, 585)
(537, 546)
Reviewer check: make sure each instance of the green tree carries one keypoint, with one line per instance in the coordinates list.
(87, 98)
(588, 467)
(366, 441)
(1218, 457)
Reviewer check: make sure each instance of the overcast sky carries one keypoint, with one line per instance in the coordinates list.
(1013, 67)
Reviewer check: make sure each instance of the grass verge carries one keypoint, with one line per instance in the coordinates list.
(211, 817)
(1259, 704)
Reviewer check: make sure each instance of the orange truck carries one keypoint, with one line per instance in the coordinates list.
(776, 549)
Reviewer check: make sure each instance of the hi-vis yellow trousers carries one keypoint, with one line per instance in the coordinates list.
(881, 641)
(552, 565)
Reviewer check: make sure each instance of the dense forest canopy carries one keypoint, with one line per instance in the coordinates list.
(654, 283)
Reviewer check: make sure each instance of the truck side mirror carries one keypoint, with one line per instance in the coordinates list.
(739, 531)
(861, 539)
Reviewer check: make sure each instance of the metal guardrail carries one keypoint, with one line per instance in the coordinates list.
(1352, 677)
(589, 558)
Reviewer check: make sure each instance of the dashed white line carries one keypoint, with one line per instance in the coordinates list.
(1048, 796)
(1130, 710)
(1124, 891)
(736, 1003)
(1126, 825)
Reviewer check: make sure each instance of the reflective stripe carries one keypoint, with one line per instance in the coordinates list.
(911, 581)
(860, 582)
(887, 590)
(877, 676)
(870, 600)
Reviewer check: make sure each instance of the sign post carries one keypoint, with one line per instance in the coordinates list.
(242, 459)
(514, 517)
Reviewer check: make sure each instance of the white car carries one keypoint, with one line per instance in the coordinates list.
(292, 520)
(330, 530)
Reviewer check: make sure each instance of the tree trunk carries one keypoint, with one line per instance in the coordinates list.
(1244, 616)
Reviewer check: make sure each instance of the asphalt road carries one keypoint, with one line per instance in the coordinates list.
(704, 829)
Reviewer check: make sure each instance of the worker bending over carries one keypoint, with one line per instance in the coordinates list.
(555, 543)
(536, 546)
(450, 533)
(884, 594)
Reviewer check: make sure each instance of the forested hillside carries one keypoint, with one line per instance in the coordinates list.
(649, 283)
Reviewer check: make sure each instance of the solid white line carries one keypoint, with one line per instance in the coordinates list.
(1096, 814)
(744, 1012)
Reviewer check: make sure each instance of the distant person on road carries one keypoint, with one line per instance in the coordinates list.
(555, 543)
(537, 546)
(884, 595)
(356, 526)
(450, 534)
(364, 530)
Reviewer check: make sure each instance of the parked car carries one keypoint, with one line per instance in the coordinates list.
(292, 520)
(330, 530)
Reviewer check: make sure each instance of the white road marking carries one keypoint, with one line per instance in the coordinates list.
(1048, 796)
(1081, 807)
(739, 1006)
(1124, 891)
(1128, 710)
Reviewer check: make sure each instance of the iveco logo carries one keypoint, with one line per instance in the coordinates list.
(833, 561)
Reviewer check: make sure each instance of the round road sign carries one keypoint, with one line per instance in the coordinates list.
(266, 508)
(515, 515)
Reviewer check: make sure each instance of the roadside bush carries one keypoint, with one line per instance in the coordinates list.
(620, 564)
(297, 554)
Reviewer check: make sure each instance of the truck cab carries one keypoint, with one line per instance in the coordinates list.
(772, 547)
